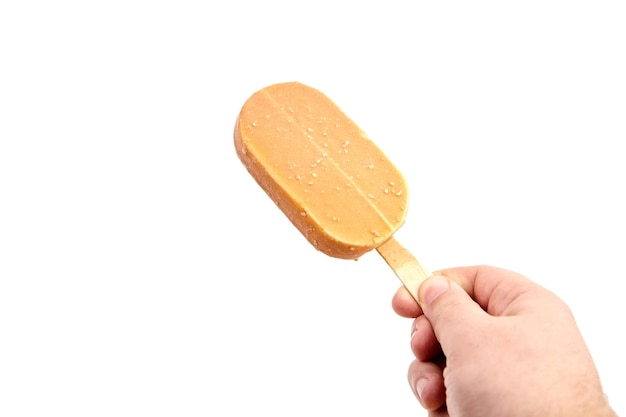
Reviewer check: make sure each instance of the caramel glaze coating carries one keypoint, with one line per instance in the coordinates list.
(333, 183)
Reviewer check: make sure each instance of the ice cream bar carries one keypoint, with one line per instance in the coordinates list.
(334, 184)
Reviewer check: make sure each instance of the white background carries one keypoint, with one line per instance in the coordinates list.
(143, 271)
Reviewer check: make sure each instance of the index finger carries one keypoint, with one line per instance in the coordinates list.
(404, 304)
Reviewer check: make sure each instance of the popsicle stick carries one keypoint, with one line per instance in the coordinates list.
(404, 264)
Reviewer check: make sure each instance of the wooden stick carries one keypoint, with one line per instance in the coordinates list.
(404, 264)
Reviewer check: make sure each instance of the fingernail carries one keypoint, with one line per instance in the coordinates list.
(419, 387)
(435, 286)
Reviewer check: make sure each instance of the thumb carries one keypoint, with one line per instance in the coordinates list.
(449, 309)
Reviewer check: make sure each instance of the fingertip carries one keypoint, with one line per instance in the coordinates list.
(424, 343)
(420, 385)
(432, 288)
(430, 390)
(404, 304)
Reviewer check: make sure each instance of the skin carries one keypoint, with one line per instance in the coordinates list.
(490, 342)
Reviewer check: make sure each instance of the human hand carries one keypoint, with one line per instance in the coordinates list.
(489, 342)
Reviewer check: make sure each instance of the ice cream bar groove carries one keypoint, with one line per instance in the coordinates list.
(321, 149)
